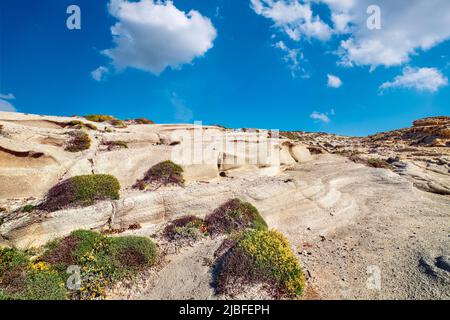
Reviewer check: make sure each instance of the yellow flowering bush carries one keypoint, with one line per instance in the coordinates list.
(260, 256)
(40, 266)
(272, 255)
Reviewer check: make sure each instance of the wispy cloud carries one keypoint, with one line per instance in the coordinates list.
(100, 73)
(420, 79)
(293, 58)
(182, 112)
(322, 117)
(5, 104)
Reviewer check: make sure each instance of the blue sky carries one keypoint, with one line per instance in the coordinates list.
(247, 63)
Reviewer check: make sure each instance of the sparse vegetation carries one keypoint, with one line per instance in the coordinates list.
(259, 257)
(187, 228)
(143, 121)
(2, 209)
(371, 162)
(133, 254)
(288, 135)
(234, 215)
(79, 141)
(81, 191)
(76, 124)
(99, 117)
(116, 123)
(24, 279)
(28, 208)
(115, 144)
(163, 173)
(378, 163)
(102, 259)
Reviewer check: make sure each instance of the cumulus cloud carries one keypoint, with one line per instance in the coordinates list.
(5, 104)
(296, 19)
(153, 35)
(318, 116)
(421, 79)
(334, 81)
(407, 27)
(100, 73)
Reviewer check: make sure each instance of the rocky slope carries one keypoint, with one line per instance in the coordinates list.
(349, 223)
(420, 153)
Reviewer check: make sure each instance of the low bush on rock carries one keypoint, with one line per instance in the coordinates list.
(116, 123)
(77, 124)
(79, 141)
(260, 257)
(378, 163)
(163, 173)
(28, 208)
(372, 162)
(81, 191)
(132, 253)
(102, 259)
(24, 279)
(143, 121)
(234, 215)
(187, 228)
(99, 117)
(115, 144)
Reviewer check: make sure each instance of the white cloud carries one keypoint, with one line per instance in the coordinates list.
(407, 27)
(323, 117)
(296, 19)
(293, 58)
(334, 81)
(423, 79)
(100, 73)
(6, 105)
(153, 35)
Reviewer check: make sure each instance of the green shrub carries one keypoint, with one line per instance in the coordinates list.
(44, 285)
(163, 173)
(79, 141)
(289, 135)
(143, 121)
(22, 279)
(11, 259)
(28, 208)
(234, 215)
(82, 190)
(119, 143)
(99, 117)
(103, 260)
(132, 253)
(261, 256)
(2, 209)
(116, 123)
(187, 228)
(80, 125)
